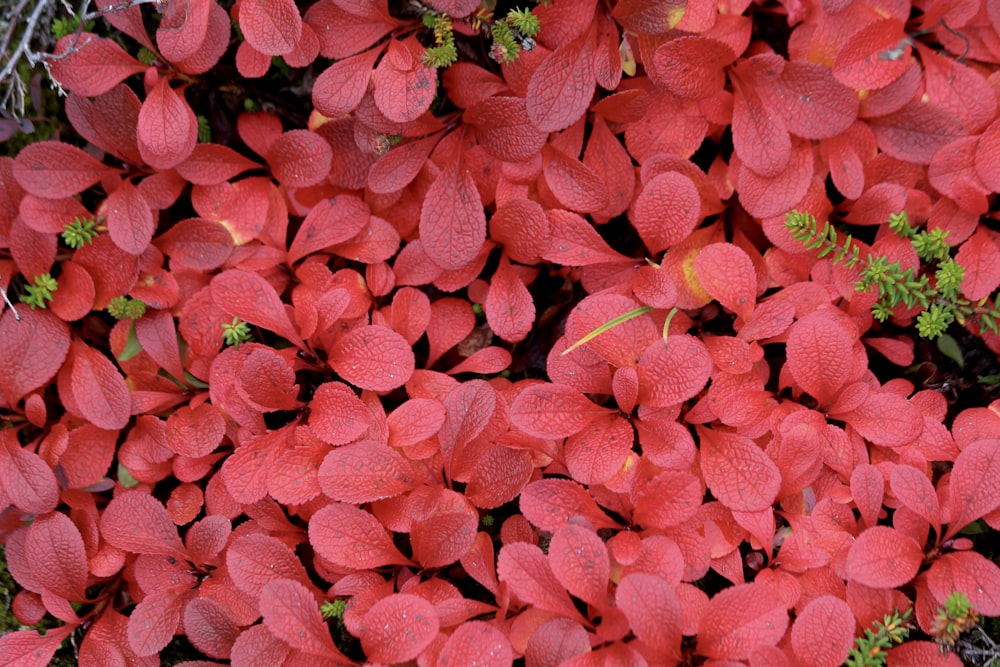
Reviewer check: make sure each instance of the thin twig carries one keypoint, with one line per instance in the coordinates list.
(6, 300)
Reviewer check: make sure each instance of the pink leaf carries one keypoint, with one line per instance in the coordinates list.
(883, 557)
(740, 619)
(291, 613)
(398, 628)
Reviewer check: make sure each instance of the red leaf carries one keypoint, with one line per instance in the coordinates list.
(299, 158)
(183, 28)
(975, 484)
(33, 351)
(650, 17)
(195, 432)
(452, 220)
(51, 169)
(253, 561)
(250, 297)
(337, 416)
(917, 131)
(762, 196)
(607, 158)
(988, 157)
(272, 27)
(818, 346)
(526, 571)
(553, 411)
(451, 321)
(404, 86)
(813, 103)
(620, 345)
(737, 471)
(185, 503)
(167, 130)
(868, 491)
(157, 334)
(28, 648)
(669, 499)
(980, 256)
(923, 653)
(442, 538)
(741, 619)
(152, 623)
(504, 129)
(914, 490)
(573, 183)
(498, 477)
(211, 164)
(551, 503)
(882, 557)
(54, 548)
(562, 86)
(666, 211)
(415, 420)
(98, 388)
(575, 242)
(28, 482)
(331, 221)
(257, 646)
(760, 137)
(598, 452)
(339, 88)
(580, 562)
(138, 523)
(873, 57)
(267, 381)
(672, 371)
(397, 168)
(209, 628)
(398, 628)
(94, 65)
(373, 357)
(691, 66)
(886, 419)
(476, 642)
(364, 472)
(967, 572)
(823, 632)
(291, 614)
(352, 538)
(653, 611)
(727, 274)
(510, 310)
(195, 243)
(555, 641)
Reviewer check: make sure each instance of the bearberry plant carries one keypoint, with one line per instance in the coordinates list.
(475, 332)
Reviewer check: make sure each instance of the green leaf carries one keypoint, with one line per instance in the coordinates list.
(125, 478)
(949, 347)
(132, 345)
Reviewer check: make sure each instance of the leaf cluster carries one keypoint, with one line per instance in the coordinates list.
(934, 287)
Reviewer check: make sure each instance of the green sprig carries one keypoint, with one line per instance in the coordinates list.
(443, 53)
(40, 291)
(124, 308)
(236, 333)
(870, 650)
(79, 233)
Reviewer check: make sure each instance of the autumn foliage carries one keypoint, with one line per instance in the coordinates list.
(352, 418)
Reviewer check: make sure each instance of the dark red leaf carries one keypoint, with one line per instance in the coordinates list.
(157, 333)
(299, 158)
(560, 89)
(209, 628)
(653, 611)
(975, 483)
(51, 169)
(98, 388)
(364, 472)
(167, 129)
(404, 86)
(452, 220)
(883, 557)
(272, 27)
(504, 128)
(352, 538)
(33, 351)
(211, 164)
(55, 550)
(373, 357)
(183, 28)
(398, 628)
(28, 482)
(737, 471)
(740, 619)
(339, 88)
(823, 632)
(526, 571)
(138, 523)
(291, 613)
(691, 66)
(94, 65)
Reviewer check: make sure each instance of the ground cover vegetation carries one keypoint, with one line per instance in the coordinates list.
(589, 332)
